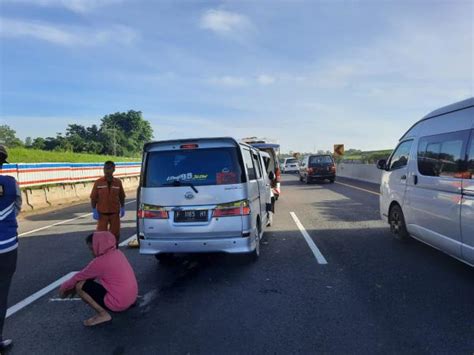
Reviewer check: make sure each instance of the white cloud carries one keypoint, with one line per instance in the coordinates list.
(225, 23)
(241, 81)
(265, 79)
(65, 35)
(229, 81)
(79, 6)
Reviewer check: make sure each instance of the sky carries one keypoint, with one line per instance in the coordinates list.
(307, 74)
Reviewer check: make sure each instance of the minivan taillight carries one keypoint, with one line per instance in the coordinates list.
(152, 212)
(333, 168)
(237, 208)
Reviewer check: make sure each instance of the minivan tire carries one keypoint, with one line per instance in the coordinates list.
(332, 180)
(396, 219)
(253, 256)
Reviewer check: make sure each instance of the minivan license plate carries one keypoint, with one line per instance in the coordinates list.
(190, 216)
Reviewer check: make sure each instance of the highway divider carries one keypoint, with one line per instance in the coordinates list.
(362, 172)
(54, 184)
(37, 198)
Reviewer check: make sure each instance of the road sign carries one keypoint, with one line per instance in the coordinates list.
(338, 150)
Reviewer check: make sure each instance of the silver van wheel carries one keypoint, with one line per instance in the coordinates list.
(253, 256)
(397, 223)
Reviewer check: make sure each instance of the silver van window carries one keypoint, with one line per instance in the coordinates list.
(443, 154)
(249, 164)
(401, 155)
(256, 163)
(209, 166)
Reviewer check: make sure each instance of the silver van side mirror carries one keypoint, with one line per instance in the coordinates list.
(382, 164)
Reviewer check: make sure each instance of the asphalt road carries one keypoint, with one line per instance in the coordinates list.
(374, 295)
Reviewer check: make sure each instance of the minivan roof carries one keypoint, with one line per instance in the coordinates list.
(265, 145)
(460, 105)
(190, 140)
(450, 108)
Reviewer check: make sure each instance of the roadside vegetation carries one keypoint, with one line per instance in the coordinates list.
(118, 135)
(25, 155)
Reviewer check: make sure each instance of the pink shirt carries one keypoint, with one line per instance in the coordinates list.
(111, 268)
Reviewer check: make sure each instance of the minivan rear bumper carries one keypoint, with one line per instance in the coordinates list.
(226, 245)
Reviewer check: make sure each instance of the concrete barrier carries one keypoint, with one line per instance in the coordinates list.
(363, 172)
(60, 195)
(36, 198)
(83, 190)
(25, 207)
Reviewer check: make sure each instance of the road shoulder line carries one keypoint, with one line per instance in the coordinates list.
(316, 252)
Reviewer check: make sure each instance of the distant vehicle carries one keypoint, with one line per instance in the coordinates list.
(202, 195)
(290, 165)
(317, 167)
(427, 188)
(273, 149)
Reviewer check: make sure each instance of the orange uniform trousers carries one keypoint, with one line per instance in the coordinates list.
(109, 222)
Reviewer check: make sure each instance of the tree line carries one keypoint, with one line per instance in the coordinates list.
(119, 134)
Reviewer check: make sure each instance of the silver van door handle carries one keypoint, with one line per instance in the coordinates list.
(404, 177)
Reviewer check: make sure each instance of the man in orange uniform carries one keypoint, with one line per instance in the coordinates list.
(108, 201)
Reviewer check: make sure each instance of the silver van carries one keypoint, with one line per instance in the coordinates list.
(427, 188)
(202, 195)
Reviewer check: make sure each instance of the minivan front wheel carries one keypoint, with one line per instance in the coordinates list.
(396, 220)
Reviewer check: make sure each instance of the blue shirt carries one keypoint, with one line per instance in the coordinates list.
(10, 205)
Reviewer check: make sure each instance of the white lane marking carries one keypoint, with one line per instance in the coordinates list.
(148, 298)
(62, 222)
(358, 188)
(63, 299)
(38, 295)
(125, 242)
(74, 299)
(317, 253)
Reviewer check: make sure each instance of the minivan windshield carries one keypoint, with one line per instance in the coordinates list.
(320, 160)
(213, 166)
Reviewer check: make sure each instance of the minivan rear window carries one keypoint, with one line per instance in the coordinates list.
(213, 166)
(290, 161)
(318, 160)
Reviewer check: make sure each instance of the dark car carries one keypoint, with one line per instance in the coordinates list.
(317, 167)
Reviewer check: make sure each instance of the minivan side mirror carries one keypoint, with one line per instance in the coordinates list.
(382, 164)
(271, 175)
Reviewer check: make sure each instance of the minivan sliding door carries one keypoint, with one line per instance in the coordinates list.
(435, 190)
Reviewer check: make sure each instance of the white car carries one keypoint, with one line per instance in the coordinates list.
(427, 187)
(290, 165)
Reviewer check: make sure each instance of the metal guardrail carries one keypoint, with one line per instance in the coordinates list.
(63, 173)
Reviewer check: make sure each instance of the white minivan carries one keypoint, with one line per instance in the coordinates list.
(202, 195)
(427, 187)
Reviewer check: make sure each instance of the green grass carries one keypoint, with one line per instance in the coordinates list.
(23, 155)
(369, 156)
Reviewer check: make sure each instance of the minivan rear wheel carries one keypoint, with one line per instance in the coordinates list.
(397, 223)
(253, 256)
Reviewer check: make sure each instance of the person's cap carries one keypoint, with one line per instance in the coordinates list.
(3, 153)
